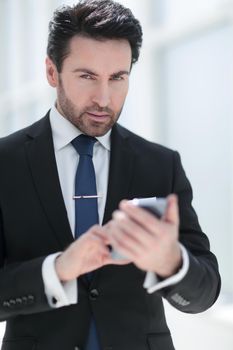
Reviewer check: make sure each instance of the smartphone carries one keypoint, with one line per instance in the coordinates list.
(154, 205)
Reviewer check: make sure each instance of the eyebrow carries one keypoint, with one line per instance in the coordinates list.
(87, 71)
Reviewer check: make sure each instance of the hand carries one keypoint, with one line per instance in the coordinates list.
(151, 243)
(89, 252)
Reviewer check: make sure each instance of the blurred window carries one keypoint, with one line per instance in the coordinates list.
(23, 30)
(193, 53)
(197, 111)
(175, 11)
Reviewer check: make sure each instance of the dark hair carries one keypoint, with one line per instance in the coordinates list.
(99, 19)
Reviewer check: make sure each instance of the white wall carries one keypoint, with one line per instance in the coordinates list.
(198, 109)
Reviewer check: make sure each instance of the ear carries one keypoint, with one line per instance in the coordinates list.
(51, 72)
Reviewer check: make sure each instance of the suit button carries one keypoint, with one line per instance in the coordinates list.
(12, 302)
(31, 299)
(19, 301)
(24, 300)
(94, 294)
(6, 304)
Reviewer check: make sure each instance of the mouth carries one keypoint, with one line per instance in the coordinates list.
(98, 116)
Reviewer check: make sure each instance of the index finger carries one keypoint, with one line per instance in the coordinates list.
(140, 215)
(101, 233)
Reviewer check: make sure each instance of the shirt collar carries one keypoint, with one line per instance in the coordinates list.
(64, 131)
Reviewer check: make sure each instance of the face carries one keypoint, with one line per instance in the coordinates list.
(93, 83)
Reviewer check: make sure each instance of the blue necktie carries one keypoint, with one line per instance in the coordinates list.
(86, 209)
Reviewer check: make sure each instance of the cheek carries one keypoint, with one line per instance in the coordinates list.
(79, 94)
(119, 94)
(121, 97)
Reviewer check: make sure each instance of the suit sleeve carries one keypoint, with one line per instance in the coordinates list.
(21, 285)
(200, 287)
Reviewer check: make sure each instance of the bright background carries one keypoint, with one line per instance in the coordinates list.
(181, 95)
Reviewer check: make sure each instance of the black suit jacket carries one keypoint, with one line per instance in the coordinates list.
(33, 224)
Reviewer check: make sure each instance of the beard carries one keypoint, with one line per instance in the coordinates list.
(79, 117)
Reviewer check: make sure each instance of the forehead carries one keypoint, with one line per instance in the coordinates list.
(103, 55)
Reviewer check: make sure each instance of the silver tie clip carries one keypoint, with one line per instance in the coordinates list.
(87, 197)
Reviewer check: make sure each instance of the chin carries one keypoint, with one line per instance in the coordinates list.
(96, 132)
(95, 129)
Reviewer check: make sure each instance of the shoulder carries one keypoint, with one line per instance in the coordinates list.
(141, 146)
(18, 138)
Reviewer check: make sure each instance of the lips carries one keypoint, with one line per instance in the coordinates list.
(98, 118)
(98, 115)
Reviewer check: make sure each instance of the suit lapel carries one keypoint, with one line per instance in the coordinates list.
(41, 158)
(120, 172)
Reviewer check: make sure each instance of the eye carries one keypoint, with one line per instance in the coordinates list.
(117, 77)
(86, 76)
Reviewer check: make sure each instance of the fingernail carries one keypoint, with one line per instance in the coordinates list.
(118, 215)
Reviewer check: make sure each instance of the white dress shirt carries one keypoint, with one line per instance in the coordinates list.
(63, 132)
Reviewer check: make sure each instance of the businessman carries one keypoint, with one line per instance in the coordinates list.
(65, 185)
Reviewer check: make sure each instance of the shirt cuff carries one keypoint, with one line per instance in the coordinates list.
(58, 294)
(153, 284)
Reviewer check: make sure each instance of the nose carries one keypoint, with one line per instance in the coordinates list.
(101, 95)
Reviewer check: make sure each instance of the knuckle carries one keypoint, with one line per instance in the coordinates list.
(95, 227)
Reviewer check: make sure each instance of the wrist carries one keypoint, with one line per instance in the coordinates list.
(172, 268)
(59, 269)
(63, 269)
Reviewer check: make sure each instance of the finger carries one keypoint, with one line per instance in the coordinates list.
(125, 245)
(141, 216)
(101, 233)
(134, 231)
(172, 211)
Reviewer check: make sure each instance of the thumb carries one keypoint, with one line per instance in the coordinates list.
(172, 210)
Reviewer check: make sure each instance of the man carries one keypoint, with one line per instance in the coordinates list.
(60, 288)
